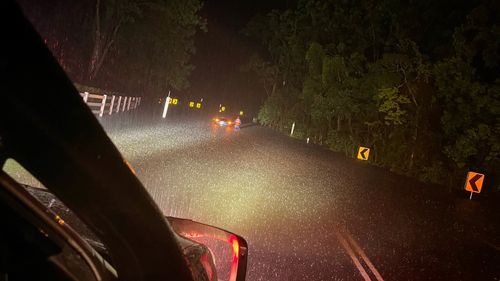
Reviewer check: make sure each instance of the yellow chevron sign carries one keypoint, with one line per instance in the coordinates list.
(474, 182)
(363, 153)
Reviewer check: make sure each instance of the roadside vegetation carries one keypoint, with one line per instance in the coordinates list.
(416, 81)
(128, 46)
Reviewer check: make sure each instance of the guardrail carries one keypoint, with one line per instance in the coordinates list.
(107, 105)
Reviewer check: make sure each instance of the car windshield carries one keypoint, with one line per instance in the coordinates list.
(364, 136)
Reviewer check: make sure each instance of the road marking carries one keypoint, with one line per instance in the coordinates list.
(495, 247)
(354, 250)
(364, 257)
(353, 256)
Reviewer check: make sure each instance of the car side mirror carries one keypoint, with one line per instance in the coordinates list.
(221, 254)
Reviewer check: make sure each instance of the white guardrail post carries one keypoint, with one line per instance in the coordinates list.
(103, 104)
(124, 104)
(112, 103)
(119, 102)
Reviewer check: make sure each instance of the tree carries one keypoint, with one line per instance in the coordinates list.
(364, 73)
(165, 37)
(469, 89)
(268, 75)
(109, 18)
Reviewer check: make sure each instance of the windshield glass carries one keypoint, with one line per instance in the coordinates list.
(345, 140)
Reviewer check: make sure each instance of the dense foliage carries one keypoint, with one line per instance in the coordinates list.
(417, 81)
(123, 45)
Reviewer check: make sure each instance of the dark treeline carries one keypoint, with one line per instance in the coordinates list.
(417, 81)
(138, 47)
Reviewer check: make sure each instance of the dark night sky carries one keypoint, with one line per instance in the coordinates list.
(223, 49)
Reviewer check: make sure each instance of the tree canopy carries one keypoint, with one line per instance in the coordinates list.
(130, 46)
(417, 81)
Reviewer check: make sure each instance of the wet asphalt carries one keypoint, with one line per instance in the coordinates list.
(299, 206)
